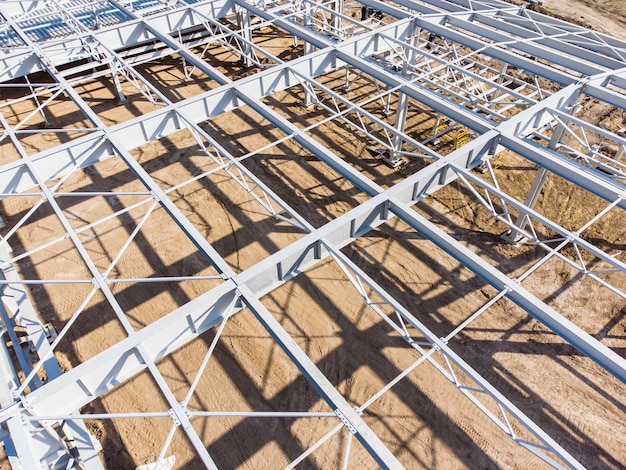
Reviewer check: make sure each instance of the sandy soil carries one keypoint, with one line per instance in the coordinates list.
(605, 16)
(425, 420)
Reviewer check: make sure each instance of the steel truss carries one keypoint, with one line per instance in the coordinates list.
(512, 80)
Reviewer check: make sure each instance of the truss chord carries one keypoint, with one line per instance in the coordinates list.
(153, 29)
(266, 414)
(6, 282)
(99, 281)
(440, 345)
(361, 112)
(573, 237)
(177, 410)
(56, 342)
(351, 419)
(564, 118)
(556, 252)
(29, 213)
(84, 416)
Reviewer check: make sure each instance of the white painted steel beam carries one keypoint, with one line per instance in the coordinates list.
(129, 34)
(551, 54)
(590, 347)
(553, 39)
(222, 99)
(592, 180)
(351, 419)
(441, 344)
(509, 57)
(595, 183)
(189, 321)
(142, 354)
(288, 265)
(152, 32)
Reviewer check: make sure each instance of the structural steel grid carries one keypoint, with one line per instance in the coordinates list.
(114, 135)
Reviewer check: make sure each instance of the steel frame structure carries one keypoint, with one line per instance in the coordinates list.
(515, 79)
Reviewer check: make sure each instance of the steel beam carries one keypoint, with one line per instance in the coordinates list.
(327, 391)
(122, 36)
(458, 21)
(500, 53)
(571, 41)
(547, 47)
(91, 379)
(594, 181)
(441, 344)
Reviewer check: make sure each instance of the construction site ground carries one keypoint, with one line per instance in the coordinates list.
(425, 420)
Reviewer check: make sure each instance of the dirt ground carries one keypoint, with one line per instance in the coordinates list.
(605, 16)
(425, 420)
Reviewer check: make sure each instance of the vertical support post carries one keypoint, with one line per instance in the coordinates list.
(400, 123)
(437, 123)
(243, 24)
(515, 236)
(96, 16)
(498, 92)
(403, 99)
(118, 86)
(183, 60)
(308, 49)
(336, 18)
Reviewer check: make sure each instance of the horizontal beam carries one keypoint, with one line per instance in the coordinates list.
(91, 379)
(377, 449)
(141, 349)
(101, 373)
(548, 48)
(497, 52)
(587, 178)
(20, 62)
(581, 340)
(441, 344)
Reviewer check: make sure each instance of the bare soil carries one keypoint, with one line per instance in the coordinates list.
(424, 419)
(604, 16)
